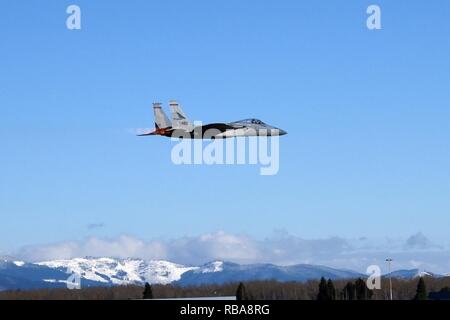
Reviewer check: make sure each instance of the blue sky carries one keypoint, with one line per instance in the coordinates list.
(367, 154)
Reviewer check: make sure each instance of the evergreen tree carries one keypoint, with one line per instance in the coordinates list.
(331, 290)
(241, 292)
(349, 291)
(323, 290)
(421, 292)
(361, 290)
(148, 293)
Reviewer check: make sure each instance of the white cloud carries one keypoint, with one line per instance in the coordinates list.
(123, 246)
(281, 248)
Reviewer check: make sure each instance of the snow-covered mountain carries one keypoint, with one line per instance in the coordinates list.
(221, 272)
(120, 271)
(136, 271)
(15, 274)
(21, 275)
(412, 273)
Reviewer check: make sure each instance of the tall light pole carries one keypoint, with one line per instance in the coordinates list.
(389, 261)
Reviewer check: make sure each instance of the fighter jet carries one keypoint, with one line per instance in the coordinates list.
(181, 127)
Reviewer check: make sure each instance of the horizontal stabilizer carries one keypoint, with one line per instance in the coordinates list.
(152, 133)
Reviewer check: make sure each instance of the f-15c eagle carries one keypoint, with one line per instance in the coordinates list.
(181, 127)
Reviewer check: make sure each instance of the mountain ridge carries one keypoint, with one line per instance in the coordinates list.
(105, 271)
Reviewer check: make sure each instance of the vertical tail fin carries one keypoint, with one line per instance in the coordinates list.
(161, 120)
(179, 118)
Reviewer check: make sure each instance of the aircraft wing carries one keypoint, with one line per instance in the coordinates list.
(236, 126)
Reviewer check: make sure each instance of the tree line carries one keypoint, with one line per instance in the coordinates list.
(324, 289)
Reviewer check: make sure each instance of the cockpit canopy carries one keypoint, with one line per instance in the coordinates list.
(250, 121)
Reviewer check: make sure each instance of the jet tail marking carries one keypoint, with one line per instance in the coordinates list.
(161, 120)
(179, 118)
